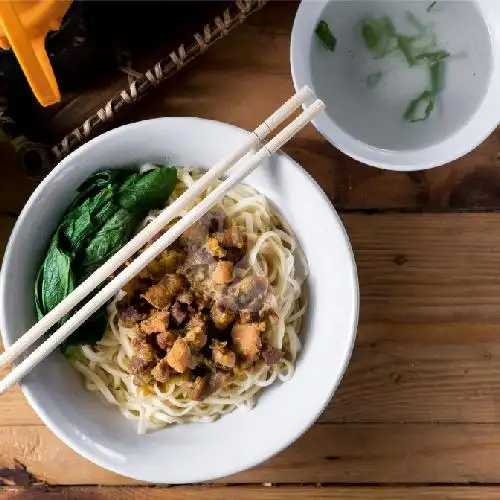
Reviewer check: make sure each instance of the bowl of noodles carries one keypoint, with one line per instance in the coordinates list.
(224, 349)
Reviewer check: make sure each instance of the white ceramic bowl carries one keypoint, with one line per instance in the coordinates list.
(367, 123)
(191, 452)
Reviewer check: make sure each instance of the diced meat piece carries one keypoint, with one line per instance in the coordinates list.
(186, 297)
(161, 294)
(144, 378)
(195, 233)
(161, 371)
(157, 322)
(197, 388)
(271, 355)
(155, 269)
(139, 339)
(144, 275)
(178, 357)
(172, 259)
(251, 294)
(196, 335)
(214, 248)
(221, 317)
(231, 238)
(223, 273)
(178, 313)
(215, 382)
(215, 220)
(222, 356)
(134, 285)
(196, 258)
(165, 340)
(248, 316)
(246, 339)
(144, 359)
(173, 284)
(211, 222)
(131, 315)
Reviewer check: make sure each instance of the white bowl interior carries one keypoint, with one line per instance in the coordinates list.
(367, 122)
(375, 115)
(194, 452)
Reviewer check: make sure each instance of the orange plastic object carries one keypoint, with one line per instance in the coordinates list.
(24, 26)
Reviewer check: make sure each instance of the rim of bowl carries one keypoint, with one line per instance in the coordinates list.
(479, 127)
(66, 437)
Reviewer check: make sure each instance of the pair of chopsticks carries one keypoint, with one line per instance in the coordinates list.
(239, 170)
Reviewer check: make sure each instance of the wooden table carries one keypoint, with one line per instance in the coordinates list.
(418, 413)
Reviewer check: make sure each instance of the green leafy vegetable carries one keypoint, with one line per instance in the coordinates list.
(55, 280)
(379, 36)
(112, 236)
(420, 108)
(406, 48)
(413, 20)
(105, 213)
(84, 220)
(381, 39)
(111, 178)
(373, 80)
(325, 35)
(147, 191)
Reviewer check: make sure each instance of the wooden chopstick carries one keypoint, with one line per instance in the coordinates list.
(107, 292)
(136, 243)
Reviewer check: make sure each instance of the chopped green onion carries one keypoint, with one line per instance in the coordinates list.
(373, 80)
(414, 21)
(416, 112)
(406, 48)
(325, 35)
(438, 55)
(381, 39)
(431, 6)
(437, 76)
(378, 35)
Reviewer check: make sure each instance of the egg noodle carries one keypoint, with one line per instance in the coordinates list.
(272, 253)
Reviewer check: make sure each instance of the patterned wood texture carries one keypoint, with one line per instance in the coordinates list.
(417, 415)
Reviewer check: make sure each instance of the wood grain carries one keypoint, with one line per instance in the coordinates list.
(417, 415)
(421, 268)
(255, 493)
(427, 346)
(426, 353)
(226, 84)
(398, 373)
(328, 453)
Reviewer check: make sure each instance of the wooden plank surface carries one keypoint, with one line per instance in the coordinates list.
(256, 493)
(251, 493)
(398, 373)
(327, 453)
(242, 79)
(417, 414)
(420, 400)
(412, 269)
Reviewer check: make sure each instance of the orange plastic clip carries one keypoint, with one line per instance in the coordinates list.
(24, 26)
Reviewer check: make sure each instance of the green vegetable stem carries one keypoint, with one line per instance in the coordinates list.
(382, 39)
(105, 213)
(325, 35)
